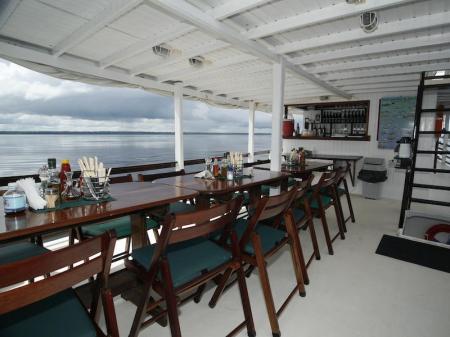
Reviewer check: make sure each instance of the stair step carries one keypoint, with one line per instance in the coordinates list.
(432, 170)
(433, 110)
(432, 152)
(431, 202)
(434, 132)
(432, 187)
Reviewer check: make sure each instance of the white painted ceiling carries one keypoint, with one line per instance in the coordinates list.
(321, 42)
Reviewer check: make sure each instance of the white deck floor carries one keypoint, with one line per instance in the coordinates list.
(352, 293)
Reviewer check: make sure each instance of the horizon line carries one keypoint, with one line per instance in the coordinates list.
(124, 132)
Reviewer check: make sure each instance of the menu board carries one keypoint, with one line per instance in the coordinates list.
(395, 120)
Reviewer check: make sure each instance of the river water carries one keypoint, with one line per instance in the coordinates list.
(24, 154)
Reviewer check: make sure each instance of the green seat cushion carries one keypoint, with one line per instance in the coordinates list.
(298, 213)
(180, 207)
(341, 191)
(265, 190)
(326, 200)
(122, 226)
(59, 315)
(269, 236)
(291, 181)
(19, 251)
(188, 259)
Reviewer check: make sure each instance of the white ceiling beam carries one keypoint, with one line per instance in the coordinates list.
(159, 63)
(233, 7)
(376, 48)
(367, 91)
(326, 14)
(381, 85)
(382, 61)
(384, 29)
(300, 93)
(192, 72)
(388, 71)
(184, 11)
(7, 9)
(145, 44)
(112, 12)
(82, 66)
(251, 90)
(225, 78)
(378, 79)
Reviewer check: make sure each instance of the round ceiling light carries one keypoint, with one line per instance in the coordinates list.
(369, 21)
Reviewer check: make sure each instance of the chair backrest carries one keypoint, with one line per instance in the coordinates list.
(303, 187)
(326, 182)
(187, 226)
(94, 256)
(341, 172)
(154, 176)
(266, 208)
(121, 179)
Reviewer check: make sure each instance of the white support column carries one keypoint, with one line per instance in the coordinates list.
(251, 131)
(277, 113)
(178, 121)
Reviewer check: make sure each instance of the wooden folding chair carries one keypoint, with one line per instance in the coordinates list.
(49, 307)
(121, 226)
(302, 216)
(341, 190)
(258, 241)
(184, 259)
(322, 197)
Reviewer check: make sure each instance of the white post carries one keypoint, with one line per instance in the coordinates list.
(251, 131)
(178, 121)
(277, 112)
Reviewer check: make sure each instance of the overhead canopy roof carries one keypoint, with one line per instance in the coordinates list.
(321, 42)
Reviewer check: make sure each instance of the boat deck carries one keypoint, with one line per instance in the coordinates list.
(355, 292)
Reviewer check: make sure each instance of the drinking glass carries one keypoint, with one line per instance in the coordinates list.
(208, 161)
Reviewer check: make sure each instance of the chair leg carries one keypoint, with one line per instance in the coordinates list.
(326, 230)
(265, 285)
(246, 303)
(141, 310)
(297, 254)
(220, 287)
(349, 201)
(249, 271)
(339, 213)
(312, 230)
(171, 300)
(199, 293)
(128, 245)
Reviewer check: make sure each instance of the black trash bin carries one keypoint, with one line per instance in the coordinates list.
(372, 174)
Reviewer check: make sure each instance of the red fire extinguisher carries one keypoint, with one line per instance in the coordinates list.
(438, 122)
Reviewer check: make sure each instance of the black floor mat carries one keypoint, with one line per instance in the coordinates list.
(415, 252)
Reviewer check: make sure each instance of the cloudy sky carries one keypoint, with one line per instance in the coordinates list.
(30, 101)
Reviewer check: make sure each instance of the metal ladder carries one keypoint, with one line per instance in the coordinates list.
(410, 185)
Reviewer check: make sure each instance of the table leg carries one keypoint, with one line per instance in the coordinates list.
(254, 194)
(139, 237)
(352, 176)
(202, 201)
(284, 185)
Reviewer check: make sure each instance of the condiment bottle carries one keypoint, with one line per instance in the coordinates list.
(65, 167)
(216, 168)
(224, 167)
(53, 175)
(14, 201)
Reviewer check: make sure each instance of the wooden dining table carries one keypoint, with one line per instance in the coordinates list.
(222, 189)
(133, 199)
(299, 171)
